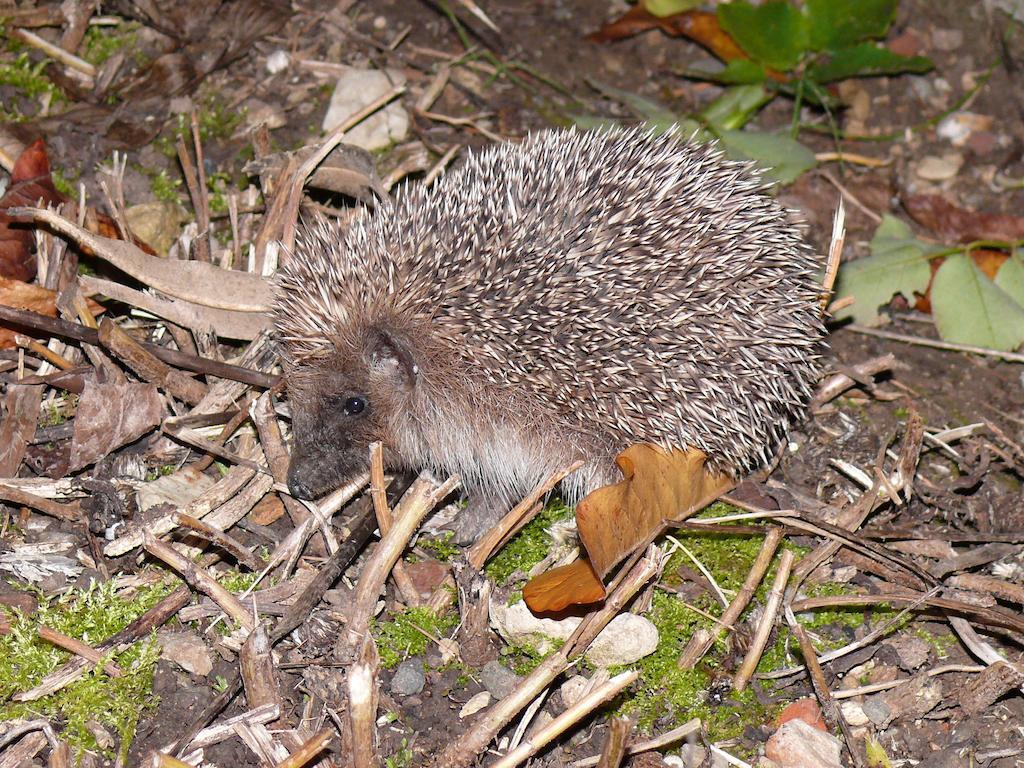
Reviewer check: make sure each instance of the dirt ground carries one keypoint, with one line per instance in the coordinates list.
(972, 501)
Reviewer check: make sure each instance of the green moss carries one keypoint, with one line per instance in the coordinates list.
(237, 581)
(666, 691)
(941, 644)
(528, 547)
(66, 182)
(28, 79)
(102, 42)
(402, 758)
(441, 547)
(90, 615)
(401, 637)
(165, 189)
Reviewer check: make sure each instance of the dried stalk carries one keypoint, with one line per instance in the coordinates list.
(481, 551)
(379, 496)
(567, 719)
(199, 579)
(701, 642)
(764, 629)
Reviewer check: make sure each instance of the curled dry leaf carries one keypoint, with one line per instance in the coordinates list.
(30, 184)
(700, 26)
(961, 225)
(14, 293)
(659, 487)
(112, 414)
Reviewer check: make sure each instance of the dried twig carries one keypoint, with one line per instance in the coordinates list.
(764, 628)
(567, 719)
(199, 579)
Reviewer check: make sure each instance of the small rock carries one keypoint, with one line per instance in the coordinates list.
(475, 704)
(573, 689)
(799, 745)
(187, 650)
(806, 709)
(958, 127)
(907, 44)
(947, 39)
(427, 575)
(932, 168)
(358, 88)
(409, 678)
(626, 639)
(853, 713)
(912, 650)
(498, 680)
(278, 61)
(877, 711)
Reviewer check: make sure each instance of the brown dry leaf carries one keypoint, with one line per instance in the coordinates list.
(659, 487)
(30, 183)
(987, 260)
(14, 293)
(557, 589)
(18, 424)
(268, 510)
(112, 414)
(960, 225)
(700, 26)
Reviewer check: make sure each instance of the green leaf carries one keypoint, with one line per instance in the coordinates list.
(780, 157)
(662, 8)
(649, 110)
(1010, 277)
(898, 264)
(970, 309)
(866, 60)
(735, 106)
(773, 33)
(836, 24)
(736, 72)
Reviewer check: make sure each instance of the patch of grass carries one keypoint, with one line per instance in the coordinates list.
(401, 637)
(102, 42)
(29, 80)
(529, 546)
(165, 189)
(441, 546)
(90, 615)
(216, 122)
(666, 691)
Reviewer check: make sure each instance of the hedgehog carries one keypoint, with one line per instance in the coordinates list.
(548, 302)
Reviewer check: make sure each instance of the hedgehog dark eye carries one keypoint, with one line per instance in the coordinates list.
(354, 405)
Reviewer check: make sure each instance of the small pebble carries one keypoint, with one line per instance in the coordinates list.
(409, 678)
(278, 61)
(498, 680)
(877, 711)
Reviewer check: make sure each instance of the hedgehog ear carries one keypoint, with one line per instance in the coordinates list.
(391, 357)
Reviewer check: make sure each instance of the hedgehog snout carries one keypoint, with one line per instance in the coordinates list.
(331, 438)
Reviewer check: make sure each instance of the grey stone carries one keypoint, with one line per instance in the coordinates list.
(877, 711)
(498, 680)
(409, 678)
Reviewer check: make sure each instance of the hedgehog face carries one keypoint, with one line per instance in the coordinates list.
(341, 404)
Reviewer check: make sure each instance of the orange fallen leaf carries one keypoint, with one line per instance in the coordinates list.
(701, 27)
(962, 225)
(15, 293)
(557, 589)
(658, 487)
(30, 183)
